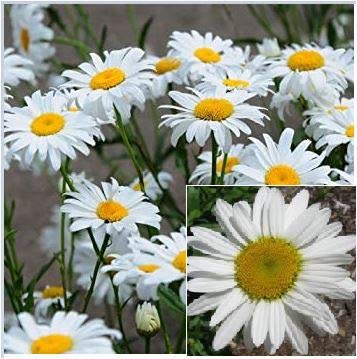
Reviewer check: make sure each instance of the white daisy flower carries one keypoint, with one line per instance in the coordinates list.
(85, 260)
(237, 80)
(336, 130)
(16, 68)
(203, 54)
(45, 299)
(276, 164)
(346, 179)
(167, 70)
(309, 71)
(31, 36)
(347, 64)
(152, 188)
(114, 207)
(267, 276)
(66, 333)
(118, 80)
(256, 64)
(269, 48)
(44, 128)
(220, 112)
(153, 263)
(202, 173)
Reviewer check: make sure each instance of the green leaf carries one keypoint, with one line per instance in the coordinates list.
(55, 18)
(170, 298)
(144, 32)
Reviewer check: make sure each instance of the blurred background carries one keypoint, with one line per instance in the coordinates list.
(35, 195)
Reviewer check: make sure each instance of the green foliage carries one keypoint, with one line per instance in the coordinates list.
(170, 298)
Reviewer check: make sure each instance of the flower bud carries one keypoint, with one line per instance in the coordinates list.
(147, 320)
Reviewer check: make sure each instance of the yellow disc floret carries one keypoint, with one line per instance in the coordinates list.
(179, 261)
(341, 108)
(267, 268)
(52, 292)
(237, 83)
(350, 131)
(207, 55)
(282, 175)
(167, 64)
(231, 162)
(25, 39)
(111, 211)
(47, 124)
(306, 60)
(148, 268)
(213, 109)
(52, 344)
(107, 79)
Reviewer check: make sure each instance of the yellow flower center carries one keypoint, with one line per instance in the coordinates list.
(231, 162)
(341, 107)
(350, 131)
(107, 79)
(52, 292)
(267, 268)
(52, 344)
(207, 55)
(306, 60)
(237, 83)
(47, 124)
(281, 175)
(111, 211)
(213, 109)
(148, 268)
(167, 64)
(179, 261)
(25, 39)
(73, 108)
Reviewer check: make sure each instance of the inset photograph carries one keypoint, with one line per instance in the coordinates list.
(271, 271)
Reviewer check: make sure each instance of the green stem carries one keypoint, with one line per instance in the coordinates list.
(182, 335)
(70, 262)
(224, 164)
(262, 21)
(139, 135)
(121, 129)
(147, 345)
(100, 259)
(164, 329)
(214, 159)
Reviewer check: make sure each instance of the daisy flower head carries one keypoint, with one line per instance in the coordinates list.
(16, 68)
(112, 206)
(278, 165)
(152, 188)
(309, 71)
(85, 260)
(202, 53)
(267, 276)
(269, 48)
(167, 70)
(118, 80)
(31, 37)
(66, 333)
(220, 112)
(202, 173)
(337, 130)
(247, 80)
(45, 129)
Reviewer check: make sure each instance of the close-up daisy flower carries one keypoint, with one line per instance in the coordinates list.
(118, 80)
(16, 68)
(31, 36)
(44, 129)
(269, 48)
(152, 188)
(268, 274)
(307, 70)
(199, 114)
(67, 333)
(167, 70)
(203, 53)
(277, 164)
(113, 207)
(203, 172)
(237, 80)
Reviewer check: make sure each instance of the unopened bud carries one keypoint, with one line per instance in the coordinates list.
(147, 320)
